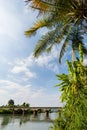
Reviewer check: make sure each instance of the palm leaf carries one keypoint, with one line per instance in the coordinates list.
(39, 24)
(62, 14)
(45, 42)
(42, 5)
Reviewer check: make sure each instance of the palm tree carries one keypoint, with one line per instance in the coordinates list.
(65, 21)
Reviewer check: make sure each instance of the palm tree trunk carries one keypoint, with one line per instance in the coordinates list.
(73, 55)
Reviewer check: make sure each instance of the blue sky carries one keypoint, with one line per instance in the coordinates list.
(22, 77)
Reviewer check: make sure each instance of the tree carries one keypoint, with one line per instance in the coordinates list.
(73, 86)
(11, 102)
(24, 104)
(27, 105)
(65, 21)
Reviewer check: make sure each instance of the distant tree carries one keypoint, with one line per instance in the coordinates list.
(27, 104)
(11, 102)
(24, 104)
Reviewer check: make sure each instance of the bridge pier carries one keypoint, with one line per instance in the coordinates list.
(35, 112)
(23, 112)
(47, 112)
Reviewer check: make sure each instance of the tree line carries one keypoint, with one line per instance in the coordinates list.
(11, 103)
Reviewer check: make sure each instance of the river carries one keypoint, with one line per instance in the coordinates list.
(16, 122)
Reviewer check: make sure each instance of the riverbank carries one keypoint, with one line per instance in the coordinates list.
(12, 111)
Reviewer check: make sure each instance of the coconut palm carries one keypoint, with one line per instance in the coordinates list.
(65, 21)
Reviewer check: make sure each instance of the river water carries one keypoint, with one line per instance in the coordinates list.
(40, 122)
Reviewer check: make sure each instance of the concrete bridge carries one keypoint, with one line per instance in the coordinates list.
(43, 109)
(58, 108)
(35, 110)
(46, 110)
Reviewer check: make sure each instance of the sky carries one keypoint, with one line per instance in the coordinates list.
(24, 78)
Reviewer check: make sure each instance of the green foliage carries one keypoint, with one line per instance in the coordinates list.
(74, 94)
(65, 21)
(11, 102)
(25, 105)
(4, 111)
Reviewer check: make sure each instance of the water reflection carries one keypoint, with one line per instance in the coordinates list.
(24, 119)
(40, 117)
(5, 121)
(30, 120)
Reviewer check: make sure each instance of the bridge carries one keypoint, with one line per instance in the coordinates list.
(34, 110)
(45, 107)
(46, 110)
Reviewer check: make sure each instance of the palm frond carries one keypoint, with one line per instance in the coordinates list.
(62, 14)
(63, 30)
(39, 24)
(44, 43)
(47, 41)
(70, 67)
(63, 49)
(42, 5)
(66, 41)
(77, 40)
(48, 5)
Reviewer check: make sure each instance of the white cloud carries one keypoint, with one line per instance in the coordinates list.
(23, 66)
(27, 93)
(18, 69)
(30, 74)
(49, 61)
(45, 61)
(24, 70)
